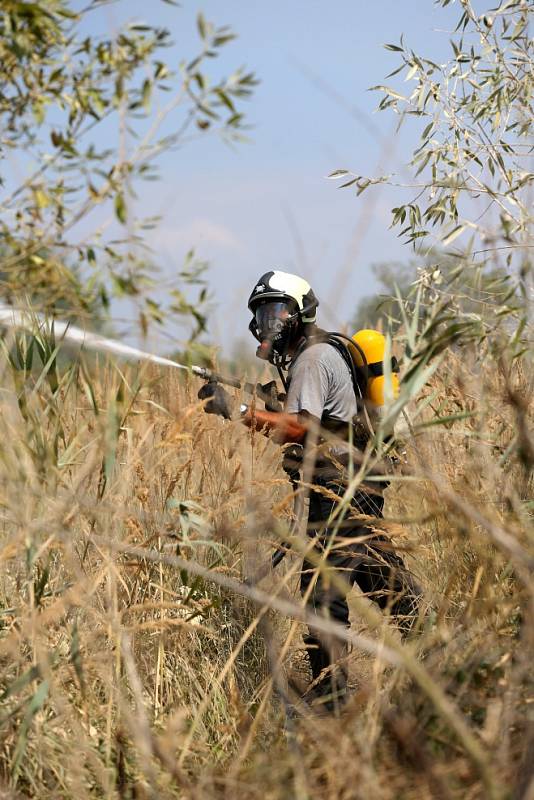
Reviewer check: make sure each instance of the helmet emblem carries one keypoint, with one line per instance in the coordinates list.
(259, 288)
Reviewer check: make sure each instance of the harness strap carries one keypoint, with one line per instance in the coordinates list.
(376, 370)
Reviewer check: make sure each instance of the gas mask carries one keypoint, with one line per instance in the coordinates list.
(276, 326)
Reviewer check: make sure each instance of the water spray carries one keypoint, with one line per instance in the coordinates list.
(29, 320)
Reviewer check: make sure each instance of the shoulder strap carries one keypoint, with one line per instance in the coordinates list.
(358, 378)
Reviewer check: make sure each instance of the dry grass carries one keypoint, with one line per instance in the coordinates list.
(123, 677)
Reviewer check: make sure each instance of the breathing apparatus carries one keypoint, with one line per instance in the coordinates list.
(368, 349)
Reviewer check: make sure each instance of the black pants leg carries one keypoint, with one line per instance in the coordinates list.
(370, 562)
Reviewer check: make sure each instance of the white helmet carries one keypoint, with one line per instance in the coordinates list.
(277, 285)
(281, 304)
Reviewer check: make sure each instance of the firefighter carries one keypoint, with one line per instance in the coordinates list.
(325, 381)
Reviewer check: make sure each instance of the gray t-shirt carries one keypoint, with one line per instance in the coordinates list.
(320, 382)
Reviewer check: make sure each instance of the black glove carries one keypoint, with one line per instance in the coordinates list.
(268, 392)
(219, 402)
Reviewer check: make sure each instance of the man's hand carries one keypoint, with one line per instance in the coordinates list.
(219, 400)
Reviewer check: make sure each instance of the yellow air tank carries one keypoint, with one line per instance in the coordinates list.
(373, 345)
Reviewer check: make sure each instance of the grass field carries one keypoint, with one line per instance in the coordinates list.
(136, 663)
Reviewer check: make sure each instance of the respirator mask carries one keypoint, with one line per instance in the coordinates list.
(275, 325)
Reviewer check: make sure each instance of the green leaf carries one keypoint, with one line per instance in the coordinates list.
(348, 183)
(201, 25)
(42, 199)
(146, 94)
(389, 91)
(224, 98)
(26, 678)
(120, 208)
(35, 705)
(219, 41)
(453, 235)
(76, 656)
(447, 419)
(67, 13)
(338, 173)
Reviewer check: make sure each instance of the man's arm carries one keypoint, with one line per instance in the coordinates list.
(306, 398)
(287, 427)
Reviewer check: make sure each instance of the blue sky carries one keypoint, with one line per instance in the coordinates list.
(267, 204)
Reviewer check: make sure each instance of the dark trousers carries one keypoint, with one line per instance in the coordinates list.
(356, 555)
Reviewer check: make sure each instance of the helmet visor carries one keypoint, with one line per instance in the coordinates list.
(271, 319)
